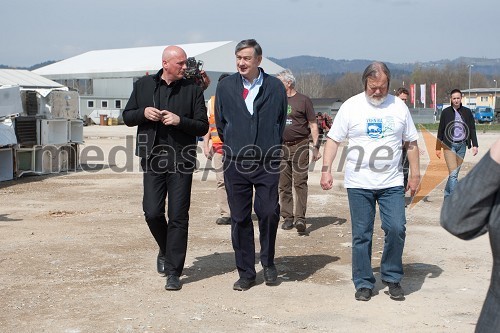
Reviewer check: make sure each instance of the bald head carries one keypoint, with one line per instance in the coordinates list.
(174, 63)
(171, 51)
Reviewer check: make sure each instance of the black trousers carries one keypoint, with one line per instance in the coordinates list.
(162, 181)
(241, 180)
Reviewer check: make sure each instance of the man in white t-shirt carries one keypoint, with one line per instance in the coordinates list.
(375, 124)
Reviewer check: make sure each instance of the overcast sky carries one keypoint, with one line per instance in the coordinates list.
(34, 31)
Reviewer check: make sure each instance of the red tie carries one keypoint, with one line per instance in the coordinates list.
(245, 93)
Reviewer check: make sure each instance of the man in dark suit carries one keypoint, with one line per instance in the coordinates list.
(469, 216)
(250, 113)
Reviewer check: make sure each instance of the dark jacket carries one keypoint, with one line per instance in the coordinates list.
(447, 119)
(255, 137)
(469, 216)
(186, 100)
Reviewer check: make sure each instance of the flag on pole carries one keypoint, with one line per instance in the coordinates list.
(433, 95)
(422, 94)
(412, 94)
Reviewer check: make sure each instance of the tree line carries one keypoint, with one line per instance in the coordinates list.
(449, 77)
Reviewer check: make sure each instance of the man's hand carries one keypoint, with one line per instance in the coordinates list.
(170, 118)
(152, 114)
(326, 181)
(208, 151)
(474, 151)
(413, 185)
(316, 154)
(438, 153)
(206, 80)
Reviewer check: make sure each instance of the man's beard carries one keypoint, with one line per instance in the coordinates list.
(376, 101)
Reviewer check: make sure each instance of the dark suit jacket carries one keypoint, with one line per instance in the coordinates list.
(471, 210)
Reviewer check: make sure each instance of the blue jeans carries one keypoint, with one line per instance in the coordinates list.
(454, 158)
(392, 214)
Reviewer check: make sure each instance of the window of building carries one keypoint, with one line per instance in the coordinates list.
(118, 104)
(104, 104)
(90, 104)
(484, 98)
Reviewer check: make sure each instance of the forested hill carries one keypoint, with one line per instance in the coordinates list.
(309, 64)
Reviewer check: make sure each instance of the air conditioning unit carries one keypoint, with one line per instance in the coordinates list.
(6, 164)
(26, 129)
(52, 131)
(51, 159)
(75, 131)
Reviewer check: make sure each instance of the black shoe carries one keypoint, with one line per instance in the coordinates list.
(270, 275)
(300, 225)
(173, 283)
(363, 294)
(395, 290)
(243, 284)
(160, 263)
(223, 221)
(288, 224)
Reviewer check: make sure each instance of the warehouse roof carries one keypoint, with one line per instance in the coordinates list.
(25, 79)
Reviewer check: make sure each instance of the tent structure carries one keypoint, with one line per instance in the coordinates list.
(104, 78)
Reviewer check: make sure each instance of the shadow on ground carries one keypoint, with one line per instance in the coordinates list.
(290, 268)
(414, 278)
(6, 218)
(315, 223)
(299, 268)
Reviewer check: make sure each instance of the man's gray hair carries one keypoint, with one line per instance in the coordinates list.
(374, 70)
(249, 43)
(287, 76)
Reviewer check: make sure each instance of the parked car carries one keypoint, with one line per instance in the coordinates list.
(484, 114)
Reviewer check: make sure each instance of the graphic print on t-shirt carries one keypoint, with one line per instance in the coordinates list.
(378, 128)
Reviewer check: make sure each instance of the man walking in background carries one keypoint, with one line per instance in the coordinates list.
(403, 93)
(300, 123)
(212, 148)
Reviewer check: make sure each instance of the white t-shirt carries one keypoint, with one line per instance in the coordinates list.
(375, 135)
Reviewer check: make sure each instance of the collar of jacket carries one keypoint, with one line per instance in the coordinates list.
(157, 78)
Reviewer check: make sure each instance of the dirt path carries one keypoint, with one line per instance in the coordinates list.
(76, 256)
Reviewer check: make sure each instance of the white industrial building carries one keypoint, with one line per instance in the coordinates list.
(104, 78)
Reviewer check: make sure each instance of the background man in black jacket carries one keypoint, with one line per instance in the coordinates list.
(250, 115)
(170, 113)
(456, 132)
